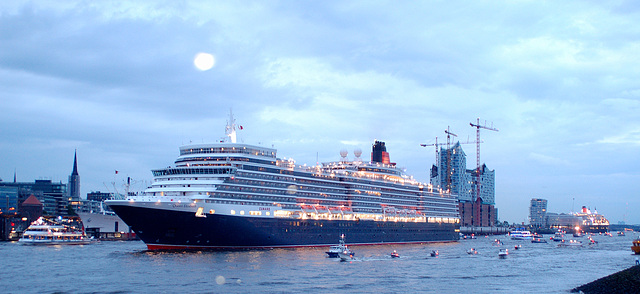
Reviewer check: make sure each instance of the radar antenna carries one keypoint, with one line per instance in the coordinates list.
(230, 130)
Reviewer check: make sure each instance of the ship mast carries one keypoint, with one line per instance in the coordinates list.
(230, 130)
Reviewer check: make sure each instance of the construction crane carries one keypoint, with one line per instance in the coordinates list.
(478, 126)
(437, 147)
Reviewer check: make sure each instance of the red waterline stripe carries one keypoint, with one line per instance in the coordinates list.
(189, 247)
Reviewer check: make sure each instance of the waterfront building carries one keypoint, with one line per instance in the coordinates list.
(452, 174)
(94, 201)
(51, 194)
(31, 209)
(538, 212)
(8, 200)
(99, 196)
(487, 184)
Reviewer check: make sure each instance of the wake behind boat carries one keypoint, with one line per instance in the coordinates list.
(347, 255)
(230, 195)
(47, 232)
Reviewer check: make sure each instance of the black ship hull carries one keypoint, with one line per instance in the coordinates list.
(162, 229)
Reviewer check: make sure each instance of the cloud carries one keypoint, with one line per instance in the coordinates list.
(115, 79)
(549, 160)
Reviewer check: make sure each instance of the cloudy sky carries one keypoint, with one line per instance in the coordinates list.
(116, 81)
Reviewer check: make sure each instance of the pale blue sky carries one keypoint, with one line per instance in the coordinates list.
(115, 80)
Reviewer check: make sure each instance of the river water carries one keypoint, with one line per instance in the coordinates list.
(126, 267)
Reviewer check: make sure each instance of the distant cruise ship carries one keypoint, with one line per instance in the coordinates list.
(231, 195)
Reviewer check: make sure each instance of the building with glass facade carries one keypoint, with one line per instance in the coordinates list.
(452, 174)
(538, 212)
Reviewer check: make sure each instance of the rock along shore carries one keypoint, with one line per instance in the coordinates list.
(625, 281)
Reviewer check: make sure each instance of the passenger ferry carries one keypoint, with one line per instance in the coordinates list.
(232, 195)
(46, 232)
(520, 235)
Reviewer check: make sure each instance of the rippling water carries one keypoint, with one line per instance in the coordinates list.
(126, 267)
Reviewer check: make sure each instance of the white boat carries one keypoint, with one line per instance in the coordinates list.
(472, 251)
(335, 250)
(520, 235)
(538, 240)
(46, 232)
(570, 243)
(346, 255)
(102, 222)
(503, 253)
(558, 237)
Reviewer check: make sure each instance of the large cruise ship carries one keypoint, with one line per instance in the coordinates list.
(230, 195)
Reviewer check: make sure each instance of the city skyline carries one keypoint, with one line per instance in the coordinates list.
(117, 82)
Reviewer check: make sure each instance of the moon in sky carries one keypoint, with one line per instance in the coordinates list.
(204, 61)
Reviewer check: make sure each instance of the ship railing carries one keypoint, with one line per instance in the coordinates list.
(298, 214)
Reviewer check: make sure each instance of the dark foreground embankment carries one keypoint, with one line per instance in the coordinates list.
(625, 281)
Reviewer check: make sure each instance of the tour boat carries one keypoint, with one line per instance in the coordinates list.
(46, 232)
(520, 235)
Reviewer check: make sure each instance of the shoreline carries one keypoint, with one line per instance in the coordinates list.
(624, 281)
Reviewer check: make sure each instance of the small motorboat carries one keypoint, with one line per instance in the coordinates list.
(558, 237)
(394, 254)
(503, 253)
(434, 253)
(346, 255)
(518, 246)
(538, 240)
(335, 250)
(570, 243)
(636, 246)
(621, 233)
(472, 251)
(497, 242)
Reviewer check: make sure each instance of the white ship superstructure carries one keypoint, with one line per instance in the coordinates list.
(249, 187)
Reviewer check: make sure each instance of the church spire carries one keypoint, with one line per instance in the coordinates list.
(74, 180)
(75, 163)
